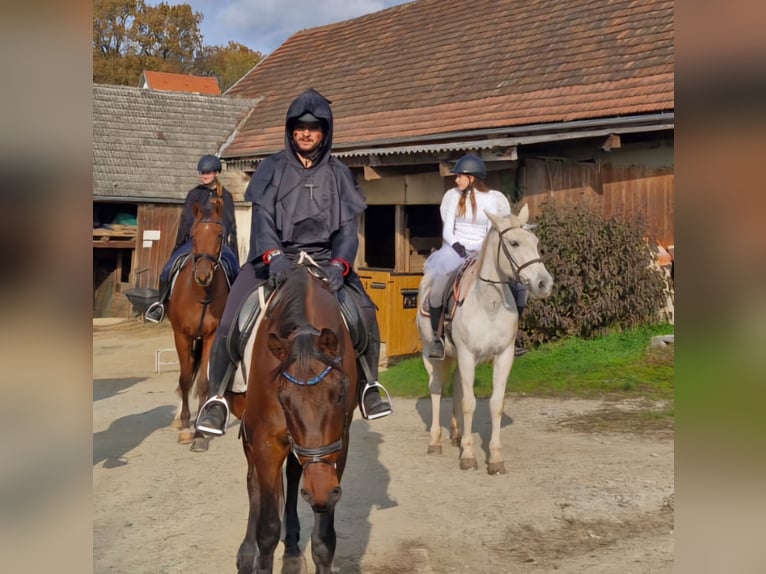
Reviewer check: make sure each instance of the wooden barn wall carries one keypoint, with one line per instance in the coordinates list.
(622, 190)
(151, 255)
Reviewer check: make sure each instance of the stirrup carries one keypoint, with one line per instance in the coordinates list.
(432, 354)
(362, 408)
(151, 308)
(211, 430)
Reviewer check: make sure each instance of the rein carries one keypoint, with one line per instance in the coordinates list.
(515, 267)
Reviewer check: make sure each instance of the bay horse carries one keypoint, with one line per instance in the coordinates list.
(296, 413)
(196, 304)
(483, 329)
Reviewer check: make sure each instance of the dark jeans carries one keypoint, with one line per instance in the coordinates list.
(252, 275)
(229, 259)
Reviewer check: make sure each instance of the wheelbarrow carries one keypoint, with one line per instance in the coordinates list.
(141, 297)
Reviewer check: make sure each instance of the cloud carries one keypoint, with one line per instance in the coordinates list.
(263, 25)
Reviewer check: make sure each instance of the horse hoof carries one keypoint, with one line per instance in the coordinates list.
(294, 565)
(496, 468)
(199, 444)
(468, 463)
(185, 436)
(434, 449)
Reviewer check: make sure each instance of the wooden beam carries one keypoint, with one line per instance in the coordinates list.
(401, 247)
(115, 244)
(371, 173)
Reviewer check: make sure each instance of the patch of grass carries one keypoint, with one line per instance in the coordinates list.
(619, 363)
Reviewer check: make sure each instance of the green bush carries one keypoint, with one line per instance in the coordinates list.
(603, 276)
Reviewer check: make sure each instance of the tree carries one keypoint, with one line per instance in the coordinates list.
(167, 33)
(130, 37)
(111, 23)
(228, 63)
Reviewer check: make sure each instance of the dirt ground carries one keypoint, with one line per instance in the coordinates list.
(577, 497)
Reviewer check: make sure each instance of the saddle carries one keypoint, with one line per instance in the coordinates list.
(230, 270)
(350, 299)
(249, 316)
(459, 286)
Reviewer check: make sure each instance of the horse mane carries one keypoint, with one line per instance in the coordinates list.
(291, 302)
(293, 323)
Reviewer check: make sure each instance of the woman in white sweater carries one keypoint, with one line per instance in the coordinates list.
(465, 225)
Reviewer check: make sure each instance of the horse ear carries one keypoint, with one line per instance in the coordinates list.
(196, 209)
(524, 214)
(328, 342)
(278, 347)
(495, 219)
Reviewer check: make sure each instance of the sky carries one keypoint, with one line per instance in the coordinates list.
(263, 25)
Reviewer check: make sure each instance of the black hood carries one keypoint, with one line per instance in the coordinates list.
(315, 103)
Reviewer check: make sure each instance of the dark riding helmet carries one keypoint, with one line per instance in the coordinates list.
(209, 163)
(472, 165)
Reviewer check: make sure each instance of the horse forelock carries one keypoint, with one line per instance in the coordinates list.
(300, 314)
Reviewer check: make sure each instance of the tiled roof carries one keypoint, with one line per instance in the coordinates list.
(146, 144)
(441, 66)
(166, 82)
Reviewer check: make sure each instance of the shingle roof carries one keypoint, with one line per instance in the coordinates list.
(146, 144)
(167, 82)
(441, 66)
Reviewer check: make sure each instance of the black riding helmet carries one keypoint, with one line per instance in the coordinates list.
(209, 163)
(472, 165)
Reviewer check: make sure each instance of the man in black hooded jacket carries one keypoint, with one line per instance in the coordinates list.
(304, 199)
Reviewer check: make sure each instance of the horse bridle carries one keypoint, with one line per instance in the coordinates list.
(515, 267)
(214, 259)
(316, 454)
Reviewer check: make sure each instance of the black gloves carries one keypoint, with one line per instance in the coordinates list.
(278, 266)
(459, 249)
(334, 275)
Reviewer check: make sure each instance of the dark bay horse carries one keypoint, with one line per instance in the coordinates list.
(300, 400)
(196, 304)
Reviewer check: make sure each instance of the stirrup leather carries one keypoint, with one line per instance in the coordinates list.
(209, 430)
(362, 408)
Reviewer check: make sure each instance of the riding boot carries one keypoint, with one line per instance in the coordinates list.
(371, 403)
(436, 350)
(213, 417)
(519, 350)
(156, 311)
(520, 296)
